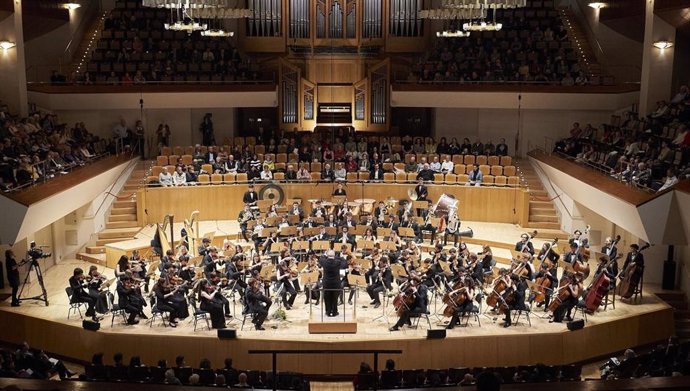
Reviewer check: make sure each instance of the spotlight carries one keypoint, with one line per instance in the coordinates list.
(663, 44)
(71, 6)
(7, 45)
(597, 5)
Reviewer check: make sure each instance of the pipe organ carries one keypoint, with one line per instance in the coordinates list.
(266, 18)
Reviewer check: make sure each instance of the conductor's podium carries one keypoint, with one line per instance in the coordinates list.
(344, 322)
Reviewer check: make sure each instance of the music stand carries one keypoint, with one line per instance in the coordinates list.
(398, 271)
(406, 232)
(266, 232)
(309, 278)
(386, 245)
(300, 248)
(321, 245)
(287, 231)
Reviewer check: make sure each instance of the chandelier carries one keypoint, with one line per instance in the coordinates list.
(482, 26)
(188, 15)
(452, 34)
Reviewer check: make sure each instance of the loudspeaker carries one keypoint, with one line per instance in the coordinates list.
(668, 281)
(90, 325)
(436, 333)
(576, 324)
(227, 333)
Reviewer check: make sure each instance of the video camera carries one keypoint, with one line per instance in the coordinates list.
(35, 253)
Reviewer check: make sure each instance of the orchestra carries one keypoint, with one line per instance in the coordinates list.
(336, 240)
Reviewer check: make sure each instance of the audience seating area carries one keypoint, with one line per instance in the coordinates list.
(38, 148)
(532, 46)
(651, 152)
(134, 47)
(242, 160)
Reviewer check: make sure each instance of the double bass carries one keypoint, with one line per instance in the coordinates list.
(562, 293)
(543, 284)
(601, 284)
(630, 277)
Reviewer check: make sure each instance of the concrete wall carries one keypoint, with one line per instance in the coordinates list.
(12, 75)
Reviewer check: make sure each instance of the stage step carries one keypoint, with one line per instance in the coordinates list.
(540, 204)
(671, 295)
(678, 304)
(124, 204)
(121, 224)
(103, 242)
(123, 211)
(550, 234)
(98, 259)
(542, 211)
(121, 233)
(95, 250)
(543, 225)
(126, 217)
(543, 218)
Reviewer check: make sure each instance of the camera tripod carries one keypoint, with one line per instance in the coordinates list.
(34, 265)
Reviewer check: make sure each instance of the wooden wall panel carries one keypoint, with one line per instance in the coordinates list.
(493, 349)
(335, 70)
(335, 94)
(223, 202)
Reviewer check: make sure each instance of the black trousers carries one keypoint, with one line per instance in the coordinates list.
(287, 289)
(90, 302)
(15, 290)
(330, 299)
(565, 307)
(215, 309)
(460, 310)
(374, 289)
(406, 315)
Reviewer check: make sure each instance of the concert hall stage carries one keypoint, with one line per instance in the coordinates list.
(490, 344)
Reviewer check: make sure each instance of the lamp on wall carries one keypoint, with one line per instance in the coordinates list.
(71, 6)
(597, 4)
(5, 45)
(663, 44)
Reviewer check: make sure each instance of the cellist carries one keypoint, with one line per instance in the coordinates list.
(574, 289)
(465, 306)
(633, 268)
(518, 302)
(419, 305)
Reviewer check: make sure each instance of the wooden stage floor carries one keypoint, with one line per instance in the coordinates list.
(490, 344)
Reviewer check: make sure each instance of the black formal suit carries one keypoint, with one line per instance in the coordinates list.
(80, 296)
(291, 175)
(611, 251)
(210, 157)
(422, 192)
(519, 246)
(348, 239)
(419, 306)
(13, 277)
(129, 300)
(250, 197)
(339, 192)
(209, 264)
(376, 175)
(331, 282)
(382, 281)
(257, 304)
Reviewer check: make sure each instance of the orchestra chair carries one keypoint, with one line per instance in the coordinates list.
(637, 292)
(509, 171)
(95, 372)
(198, 313)
(438, 178)
(115, 310)
(496, 170)
(246, 314)
(229, 177)
(459, 168)
(156, 170)
(156, 313)
(216, 179)
(412, 378)
(513, 181)
(485, 169)
(488, 180)
(117, 374)
(139, 374)
(418, 317)
(74, 306)
(411, 177)
(466, 315)
(451, 179)
(610, 297)
(457, 159)
(400, 177)
(519, 313)
(500, 180)
(582, 309)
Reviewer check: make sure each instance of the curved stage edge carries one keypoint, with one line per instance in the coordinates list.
(493, 347)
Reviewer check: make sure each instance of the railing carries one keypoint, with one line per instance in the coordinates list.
(274, 358)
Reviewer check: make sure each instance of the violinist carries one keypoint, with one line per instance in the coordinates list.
(257, 303)
(209, 261)
(121, 267)
(415, 303)
(207, 294)
(284, 285)
(80, 293)
(234, 275)
(355, 269)
(382, 281)
(524, 245)
(574, 290)
(186, 272)
(311, 291)
(374, 260)
(95, 280)
(465, 306)
(130, 299)
(177, 286)
(518, 299)
(163, 292)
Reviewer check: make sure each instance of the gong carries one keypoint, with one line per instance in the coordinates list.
(272, 192)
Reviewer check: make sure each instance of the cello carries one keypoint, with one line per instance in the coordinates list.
(543, 284)
(630, 277)
(600, 284)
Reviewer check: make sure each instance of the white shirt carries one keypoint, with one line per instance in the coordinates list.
(435, 166)
(266, 175)
(447, 166)
(179, 179)
(670, 181)
(165, 179)
(120, 131)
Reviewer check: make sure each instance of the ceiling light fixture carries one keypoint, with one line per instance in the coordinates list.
(482, 26)
(71, 6)
(5, 45)
(597, 5)
(663, 44)
(452, 34)
(217, 33)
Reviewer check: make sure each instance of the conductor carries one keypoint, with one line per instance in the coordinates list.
(331, 281)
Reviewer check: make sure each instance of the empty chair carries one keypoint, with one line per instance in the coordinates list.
(463, 178)
(241, 177)
(488, 180)
(162, 160)
(468, 160)
(506, 160)
(496, 170)
(216, 179)
(388, 177)
(391, 379)
(451, 179)
(363, 176)
(166, 151)
(411, 176)
(315, 176)
(493, 161)
(457, 159)
(481, 159)
(460, 168)
(281, 157)
(206, 168)
(388, 166)
(204, 179)
(351, 177)
(438, 178)
(412, 378)
(187, 159)
(366, 381)
(400, 177)
(509, 170)
(513, 181)
(486, 170)
(500, 180)
(177, 150)
(279, 176)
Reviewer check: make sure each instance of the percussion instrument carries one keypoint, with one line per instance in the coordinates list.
(446, 205)
(366, 205)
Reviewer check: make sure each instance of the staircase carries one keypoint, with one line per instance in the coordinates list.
(122, 220)
(580, 43)
(542, 213)
(82, 55)
(681, 311)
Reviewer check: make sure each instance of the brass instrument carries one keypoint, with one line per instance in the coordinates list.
(412, 194)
